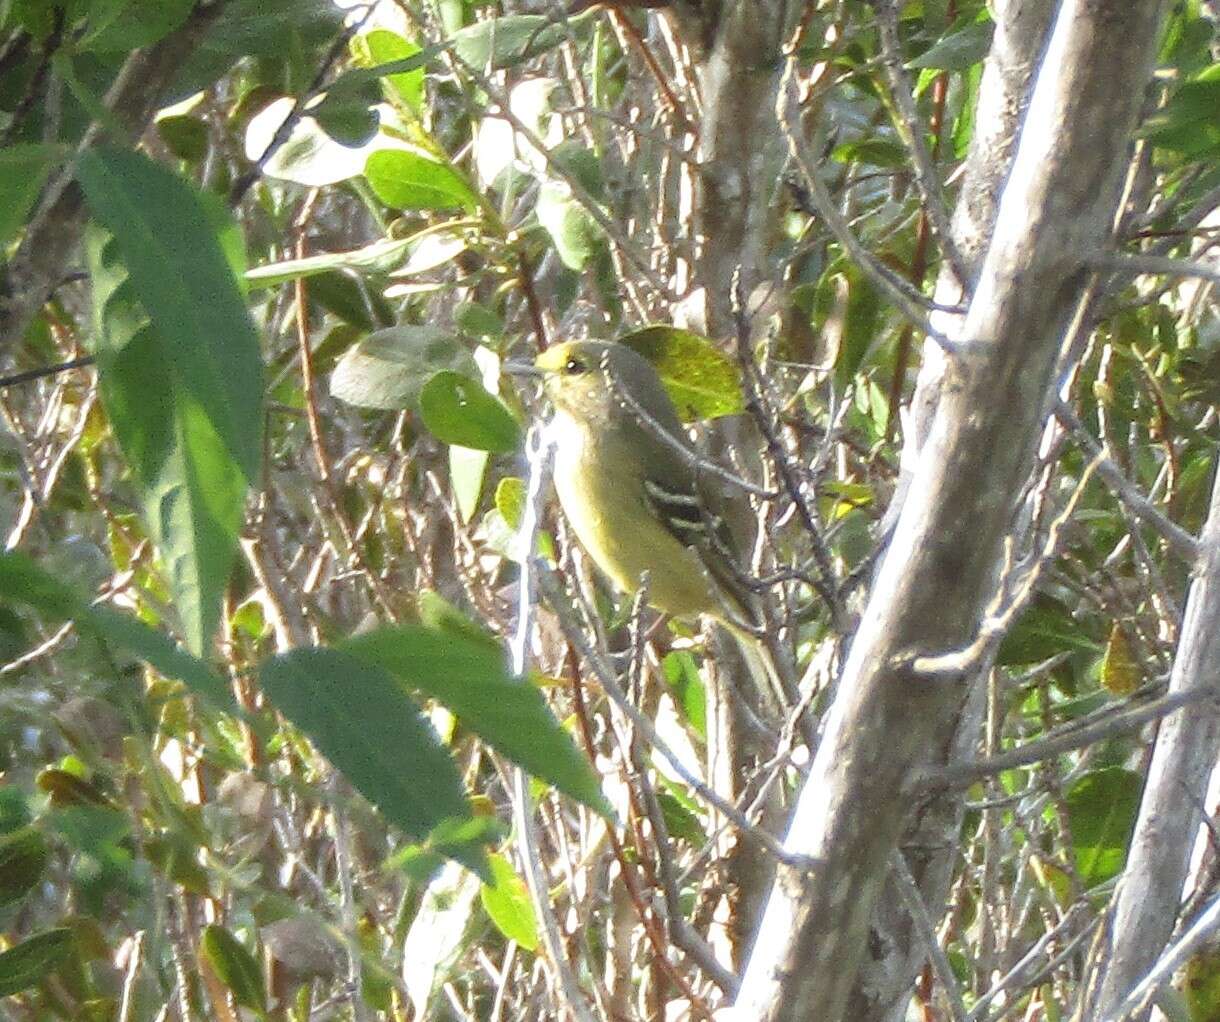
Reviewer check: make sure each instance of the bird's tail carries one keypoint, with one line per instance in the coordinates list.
(770, 692)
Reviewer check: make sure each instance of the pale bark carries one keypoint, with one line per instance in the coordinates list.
(893, 955)
(739, 140)
(1171, 812)
(737, 47)
(939, 573)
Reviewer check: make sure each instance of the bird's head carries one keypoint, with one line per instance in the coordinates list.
(575, 379)
(587, 381)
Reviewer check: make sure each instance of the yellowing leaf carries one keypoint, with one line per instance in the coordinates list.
(508, 903)
(1120, 673)
(703, 381)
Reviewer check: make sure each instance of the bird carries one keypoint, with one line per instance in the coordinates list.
(629, 485)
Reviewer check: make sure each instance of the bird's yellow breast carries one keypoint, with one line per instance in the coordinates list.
(609, 512)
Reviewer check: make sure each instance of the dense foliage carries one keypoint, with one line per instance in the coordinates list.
(280, 734)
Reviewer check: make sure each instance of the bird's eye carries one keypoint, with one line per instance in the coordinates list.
(573, 367)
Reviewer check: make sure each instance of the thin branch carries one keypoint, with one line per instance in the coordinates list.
(284, 132)
(908, 301)
(827, 583)
(538, 453)
(1004, 610)
(911, 129)
(680, 930)
(44, 371)
(1180, 541)
(1121, 723)
(557, 601)
(1136, 264)
(627, 869)
(1019, 973)
(1176, 956)
(579, 192)
(925, 929)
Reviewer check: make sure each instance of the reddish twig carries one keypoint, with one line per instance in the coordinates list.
(651, 927)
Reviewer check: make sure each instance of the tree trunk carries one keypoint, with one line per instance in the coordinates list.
(930, 845)
(738, 51)
(891, 718)
(1146, 906)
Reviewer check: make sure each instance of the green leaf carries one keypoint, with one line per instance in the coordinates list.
(269, 29)
(341, 294)
(880, 152)
(349, 119)
(360, 719)
(958, 50)
(379, 257)
(467, 469)
(458, 410)
(184, 390)
(507, 901)
(23, 169)
(23, 581)
(408, 180)
(856, 300)
(23, 859)
(1047, 627)
(403, 66)
(472, 681)
(235, 966)
(1102, 807)
(1190, 121)
(382, 46)
(510, 500)
(133, 24)
(1120, 671)
(703, 382)
(310, 156)
(575, 233)
(388, 369)
(191, 489)
(477, 320)
(439, 615)
(681, 820)
(682, 677)
(186, 136)
(176, 855)
(1201, 985)
(503, 42)
(26, 964)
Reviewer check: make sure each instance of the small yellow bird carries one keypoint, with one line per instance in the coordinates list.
(628, 481)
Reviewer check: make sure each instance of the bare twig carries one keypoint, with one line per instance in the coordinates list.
(43, 371)
(911, 128)
(1181, 541)
(538, 452)
(1123, 722)
(926, 930)
(555, 598)
(905, 299)
(1135, 264)
(1198, 936)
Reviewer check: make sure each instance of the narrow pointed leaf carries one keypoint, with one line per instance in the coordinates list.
(363, 721)
(180, 368)
(470, 679)
(25, 965)
(22, 581)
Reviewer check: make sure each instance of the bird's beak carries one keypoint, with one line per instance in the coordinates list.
(514, 367)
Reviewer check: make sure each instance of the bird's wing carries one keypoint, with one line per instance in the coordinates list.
(690, 513)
